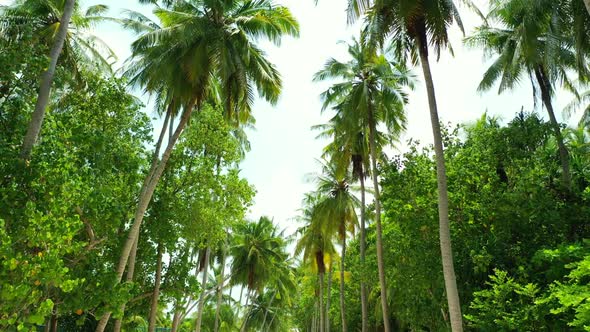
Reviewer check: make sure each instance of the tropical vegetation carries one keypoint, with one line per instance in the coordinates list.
(123, 205)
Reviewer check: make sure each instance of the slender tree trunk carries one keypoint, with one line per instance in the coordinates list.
(129, 278)
(321, 305)
(314, 317)
(563, 153)
(156, 295)
(202, 296)
(46, 80)
(268, 309)
(364, 305)
(241, 293)
(176, 319)
(220, 291)
(380, 264)
(246, 311)
(144, 199)
(52, 323)
(342, 304)
(329, 297)
(587, 4)
(443, 199)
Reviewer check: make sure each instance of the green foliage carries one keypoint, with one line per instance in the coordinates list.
(506, 205)
(62, 210)
(570, 296)
(508, 306)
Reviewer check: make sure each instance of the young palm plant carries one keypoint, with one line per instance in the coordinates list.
(369, 92)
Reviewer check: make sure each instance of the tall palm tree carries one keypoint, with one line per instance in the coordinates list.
(529, 43)
(369, 92)
(413, 26)
(350, 148)
(198, 42)
(337, 210)
(62, 26)
(316, 246)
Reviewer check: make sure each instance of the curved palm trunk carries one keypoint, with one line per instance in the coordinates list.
(246, 310)
(380, 265)
(329, 297)
(267, 310)
(563, 153)
(342, 304)
(202, 296)
(145, 197)
(133, 253)
(175, 321)
(321, 305)
(129, 278)
(443, 199)
(219, 292)
(46, 80)
(156, 295)
(364, 305)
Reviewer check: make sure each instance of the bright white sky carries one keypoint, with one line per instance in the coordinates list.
(284, 149)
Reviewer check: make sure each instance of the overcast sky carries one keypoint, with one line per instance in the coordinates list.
(284, 149)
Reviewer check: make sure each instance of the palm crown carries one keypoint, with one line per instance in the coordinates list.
(207, 44)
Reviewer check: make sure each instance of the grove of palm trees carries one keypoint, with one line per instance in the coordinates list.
(136, 193)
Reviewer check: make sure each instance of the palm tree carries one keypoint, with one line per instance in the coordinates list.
(369, 92)
(528, 44)
(195, 44)
(413, 25)
(337, 211)
(62, 25)
(316, 246)
(350, 148)
(257, 253)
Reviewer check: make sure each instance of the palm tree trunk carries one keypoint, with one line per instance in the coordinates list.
(443, 199)
(202, 296)
(46, 80)
(321, 305)
(176, 319)
(156, 295)
(380, 264)
(364, 305)
(274, 294)
(246, 310)
(144, 199)
(328, 297)
(587, 3)
(563, 153)
(219, 292)
(342, 304)
(129, 278)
